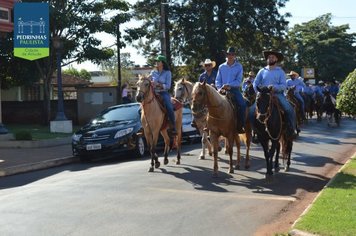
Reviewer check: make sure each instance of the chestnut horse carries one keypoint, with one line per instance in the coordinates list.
(183, 92)
(221, 121)
(154, 121)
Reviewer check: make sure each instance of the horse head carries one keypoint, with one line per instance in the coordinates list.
(199, 97)
(183, 90)
(250, 93)
(263, 103)
(144, 86)
(290, 91)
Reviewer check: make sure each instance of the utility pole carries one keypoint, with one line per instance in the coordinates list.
(118, 44)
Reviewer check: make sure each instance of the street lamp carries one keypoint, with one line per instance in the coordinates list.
(58, 45)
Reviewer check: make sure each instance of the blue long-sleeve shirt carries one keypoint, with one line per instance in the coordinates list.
(229, 75)
(275, 77)
(164, 78)
(297, 82)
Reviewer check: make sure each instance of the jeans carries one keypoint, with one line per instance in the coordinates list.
(168, 104)
(241, 104)
(301, 101)
(289, 110)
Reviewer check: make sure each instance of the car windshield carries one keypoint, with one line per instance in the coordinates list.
(124, 113)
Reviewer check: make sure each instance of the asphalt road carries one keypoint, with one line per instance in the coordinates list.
(119, 197)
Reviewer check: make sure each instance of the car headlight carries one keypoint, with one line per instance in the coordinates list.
(76, 137)
(123, 132)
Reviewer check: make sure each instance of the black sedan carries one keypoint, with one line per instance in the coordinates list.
(115, 130)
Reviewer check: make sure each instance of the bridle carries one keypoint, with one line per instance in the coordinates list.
(145, 94)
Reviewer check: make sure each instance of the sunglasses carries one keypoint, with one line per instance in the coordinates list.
(231, 54)
(208, 65)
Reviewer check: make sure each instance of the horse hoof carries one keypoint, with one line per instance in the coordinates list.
(237, 167)
(210, 154)
(269, 178)
(157, 164)
(165, 162)
(201, 157)
(150, 169)
(219, 149)
(231, 171)
(277, 169)
(286, 169)
(178, 162)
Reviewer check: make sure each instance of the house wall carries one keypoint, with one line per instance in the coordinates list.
(31, 112)
(92, 100)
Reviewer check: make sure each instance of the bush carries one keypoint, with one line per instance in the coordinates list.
(346, 98)
(23, 135)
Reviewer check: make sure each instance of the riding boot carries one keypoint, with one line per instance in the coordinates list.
(193, 124)
(173, 129)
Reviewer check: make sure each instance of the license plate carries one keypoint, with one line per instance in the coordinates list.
(91, 147)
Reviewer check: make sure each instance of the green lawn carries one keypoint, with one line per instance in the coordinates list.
(38, 132)
(334, 211)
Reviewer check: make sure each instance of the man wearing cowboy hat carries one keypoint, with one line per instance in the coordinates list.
(274, 76)
(297, 81)
(229, 78)
(248, 80)
(209, 74)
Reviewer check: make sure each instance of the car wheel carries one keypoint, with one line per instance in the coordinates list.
(140, 147)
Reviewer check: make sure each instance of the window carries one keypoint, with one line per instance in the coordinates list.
(4, 14)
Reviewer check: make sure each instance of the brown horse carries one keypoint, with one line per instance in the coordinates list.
(220, 122)
(318, 105)
(183, 92)
(154, 121)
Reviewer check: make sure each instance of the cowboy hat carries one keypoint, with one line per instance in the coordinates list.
(321, 82)
(251, 73)
(277, 54)
(231, 50)
(209, 62)
(293, 73)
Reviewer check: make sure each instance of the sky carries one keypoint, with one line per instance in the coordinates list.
(343, 12)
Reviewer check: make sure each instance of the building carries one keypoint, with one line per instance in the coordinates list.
(6, 16)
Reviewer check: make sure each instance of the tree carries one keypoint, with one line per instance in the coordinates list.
(75, 22)
(329, 49)
(346, 98)
(202, 29)
(83, 74)
(110, 66)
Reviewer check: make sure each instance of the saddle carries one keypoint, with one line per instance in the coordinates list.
(232, 100)
(176, 106)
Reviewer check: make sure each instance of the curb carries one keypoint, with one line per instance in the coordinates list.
(35, 143)
(37, 166)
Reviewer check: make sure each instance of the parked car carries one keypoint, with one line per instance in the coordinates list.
(118, 130)
(189, 133)
(114, 131)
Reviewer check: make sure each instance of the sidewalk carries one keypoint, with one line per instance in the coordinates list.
(33, 155)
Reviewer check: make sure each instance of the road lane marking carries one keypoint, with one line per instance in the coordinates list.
(225, 194)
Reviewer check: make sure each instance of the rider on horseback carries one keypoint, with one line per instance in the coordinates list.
(229, 78)
(297, 81)
(274, 76)
(162, 80)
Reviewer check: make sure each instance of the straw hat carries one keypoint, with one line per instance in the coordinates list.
(209, 62)
(293, 73)
(251, 73)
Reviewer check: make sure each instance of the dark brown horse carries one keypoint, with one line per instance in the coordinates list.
(271, 128)
(318, 106)
(296, 105)
(333, 114)
(308, 105)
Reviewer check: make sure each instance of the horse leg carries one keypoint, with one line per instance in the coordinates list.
(179, 145)
(215, 143)
(276, 158)
(203, 145)
(152, 159)
(230, 151)
(248, 139)
(166, 145)
(289, 147)
(238, 147)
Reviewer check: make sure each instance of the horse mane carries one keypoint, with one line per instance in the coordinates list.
(210, 90)
(182, 81)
